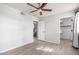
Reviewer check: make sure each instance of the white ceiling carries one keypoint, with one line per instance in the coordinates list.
(56, 7)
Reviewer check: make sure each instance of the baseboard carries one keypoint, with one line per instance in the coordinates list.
(75, 47)
(51, 42)
(15, 47)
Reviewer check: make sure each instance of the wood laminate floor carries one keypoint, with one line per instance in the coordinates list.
(45, 48)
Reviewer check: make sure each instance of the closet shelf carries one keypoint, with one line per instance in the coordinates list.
(65, 26)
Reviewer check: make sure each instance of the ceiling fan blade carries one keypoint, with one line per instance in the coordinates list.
(47, 9)
(43, 5)
(40, 13)
(33, 11)
(31, 5)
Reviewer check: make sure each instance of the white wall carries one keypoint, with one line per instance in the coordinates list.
(15, 29)
(52, 26)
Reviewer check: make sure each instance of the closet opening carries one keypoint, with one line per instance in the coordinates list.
(66, 31)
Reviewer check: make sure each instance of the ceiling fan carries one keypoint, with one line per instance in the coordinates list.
(40, 8)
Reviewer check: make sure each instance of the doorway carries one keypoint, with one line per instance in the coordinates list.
(35, 30)
(66, 30)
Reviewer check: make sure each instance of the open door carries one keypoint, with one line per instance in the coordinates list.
(76, 31)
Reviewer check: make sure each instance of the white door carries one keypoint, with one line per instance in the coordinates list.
(41, 30)
(76, 31)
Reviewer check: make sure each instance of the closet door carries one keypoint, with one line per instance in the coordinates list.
(41, 30)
